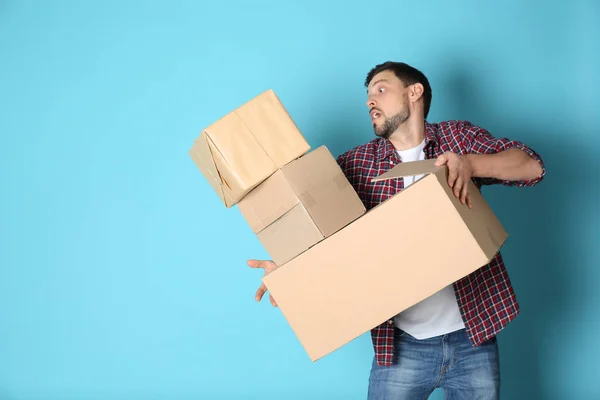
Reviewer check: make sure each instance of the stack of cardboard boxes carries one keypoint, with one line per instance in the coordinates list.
(257, 158)
(341, 271)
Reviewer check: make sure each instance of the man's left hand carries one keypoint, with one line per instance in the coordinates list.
(460, 172)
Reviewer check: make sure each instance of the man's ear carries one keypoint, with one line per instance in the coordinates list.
(416, 92)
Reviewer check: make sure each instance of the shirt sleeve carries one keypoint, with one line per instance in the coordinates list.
(480, 141)
(341, 160)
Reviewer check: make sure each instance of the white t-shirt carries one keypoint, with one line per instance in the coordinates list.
(438, 314)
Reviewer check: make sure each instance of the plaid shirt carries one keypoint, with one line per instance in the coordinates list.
(485, 297)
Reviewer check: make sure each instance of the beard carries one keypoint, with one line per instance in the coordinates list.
(390, 125)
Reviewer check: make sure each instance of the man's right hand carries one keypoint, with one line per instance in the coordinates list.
(268, 267)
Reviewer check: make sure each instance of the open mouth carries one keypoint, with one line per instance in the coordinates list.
(375, 114)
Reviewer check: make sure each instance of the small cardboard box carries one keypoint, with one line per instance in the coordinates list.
(299, 205)
(395, 255)
(245, 147)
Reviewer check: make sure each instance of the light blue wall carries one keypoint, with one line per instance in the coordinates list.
(123, 277)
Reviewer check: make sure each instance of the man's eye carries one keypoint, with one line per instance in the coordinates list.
(381, 90)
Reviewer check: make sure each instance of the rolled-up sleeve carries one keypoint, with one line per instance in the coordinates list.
(480, 141)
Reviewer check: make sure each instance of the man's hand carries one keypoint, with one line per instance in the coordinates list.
(460, 172)
(268, 266)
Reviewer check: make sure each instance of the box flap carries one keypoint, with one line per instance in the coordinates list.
(412, 168)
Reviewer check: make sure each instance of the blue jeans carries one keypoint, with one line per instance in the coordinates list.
(449, 362)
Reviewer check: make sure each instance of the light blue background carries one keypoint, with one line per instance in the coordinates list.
(123, 277)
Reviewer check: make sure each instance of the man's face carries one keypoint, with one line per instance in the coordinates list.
(388, 103)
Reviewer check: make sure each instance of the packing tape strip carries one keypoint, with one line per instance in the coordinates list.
(307, 200)
(341, 181)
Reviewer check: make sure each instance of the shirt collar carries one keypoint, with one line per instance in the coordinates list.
(385, 148)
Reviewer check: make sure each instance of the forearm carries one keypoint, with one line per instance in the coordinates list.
(511, 165)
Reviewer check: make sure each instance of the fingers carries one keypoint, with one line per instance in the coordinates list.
(458, 185)
(255, 264)
(464, 193)
(441, 160)
(260, 292)
(461, 191)
(273, 302)
(452, 178)
(267, 265)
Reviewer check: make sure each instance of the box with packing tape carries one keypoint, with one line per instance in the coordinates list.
(243, 148)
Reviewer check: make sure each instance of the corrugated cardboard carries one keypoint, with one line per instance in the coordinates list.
(268, 202)
(324, 190)
(305, 201)
(395, 255)
(245, 147)
(290, 235)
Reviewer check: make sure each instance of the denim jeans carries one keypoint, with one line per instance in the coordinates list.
(449, 362)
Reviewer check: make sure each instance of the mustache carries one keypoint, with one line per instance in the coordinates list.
(376, 109)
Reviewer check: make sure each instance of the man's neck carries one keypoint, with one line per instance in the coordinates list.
(409, 135)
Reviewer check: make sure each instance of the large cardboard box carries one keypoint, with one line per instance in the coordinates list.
(246, 146)
(395, 255)
(299, 205)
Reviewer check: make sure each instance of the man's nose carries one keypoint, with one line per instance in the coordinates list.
(370, 103)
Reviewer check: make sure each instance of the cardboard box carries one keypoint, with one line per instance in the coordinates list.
(302, 203)
(245, 147)
(395, 255)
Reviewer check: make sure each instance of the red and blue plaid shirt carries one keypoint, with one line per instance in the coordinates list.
(485, 297)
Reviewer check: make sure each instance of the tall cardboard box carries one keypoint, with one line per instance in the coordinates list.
(246, 146)
(395, 255)
(299, 205)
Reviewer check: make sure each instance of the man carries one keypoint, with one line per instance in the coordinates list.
(447, 340)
